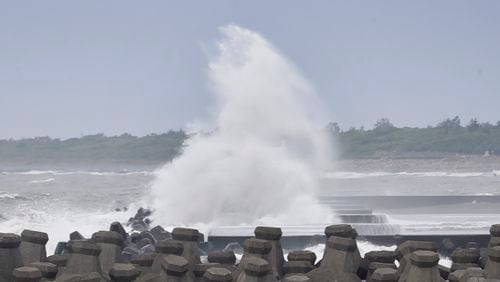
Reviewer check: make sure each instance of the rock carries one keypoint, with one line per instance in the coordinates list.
(118, 228)
(75, 235)
(222, 257)
(143, 242)
(60, 248)
(160, 234)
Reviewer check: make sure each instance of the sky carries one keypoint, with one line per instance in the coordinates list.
(72, 68)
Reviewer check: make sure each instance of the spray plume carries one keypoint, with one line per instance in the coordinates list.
(262, 162)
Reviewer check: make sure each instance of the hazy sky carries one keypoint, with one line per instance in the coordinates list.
(69, 68)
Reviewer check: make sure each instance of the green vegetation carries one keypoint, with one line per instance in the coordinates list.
(447, 137)
(150, 149)
(384, 140)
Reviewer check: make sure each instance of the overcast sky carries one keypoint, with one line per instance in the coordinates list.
(69, 68)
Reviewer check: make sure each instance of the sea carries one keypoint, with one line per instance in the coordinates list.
(452, 195)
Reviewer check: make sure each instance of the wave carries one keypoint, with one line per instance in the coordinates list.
(358, 175)
(10, 196)
(79, 172)
(48, 180)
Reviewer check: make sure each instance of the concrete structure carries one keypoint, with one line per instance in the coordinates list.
(27, 274)
(256, 270)
(48, 270)
(385, 275)
(176, 269)
(339, 263)
(423, 268)
(377, 265)
(492, 268)
(60, 261)
(218, 274)
(299, 255)
(464, 258)
(32, 246)
(143, 262)
(163, 249)
(296, 278)
(123, 272)
(200, 269)
(10, 256)
(110, 243)
(291, 268)
(255, 248)
(83, 259)
(404, 251)
(189, 239)
(275, 257)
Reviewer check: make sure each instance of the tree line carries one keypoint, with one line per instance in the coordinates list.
(449, 136)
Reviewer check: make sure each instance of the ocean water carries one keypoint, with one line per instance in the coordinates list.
(438, 201)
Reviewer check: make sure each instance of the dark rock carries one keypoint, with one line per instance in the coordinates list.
(118, 228)
(75, 235)
(60, 248)
(222, 257)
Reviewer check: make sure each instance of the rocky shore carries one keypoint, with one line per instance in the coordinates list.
(153, 254)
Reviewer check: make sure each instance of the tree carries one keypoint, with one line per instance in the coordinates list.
(473, 125)
(450, 124)
(383, 123)
(333, 127)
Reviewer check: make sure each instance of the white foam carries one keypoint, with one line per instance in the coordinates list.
(358, 175)
(4, 195)
(260, 165)
(77, 172)
(47, 180)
